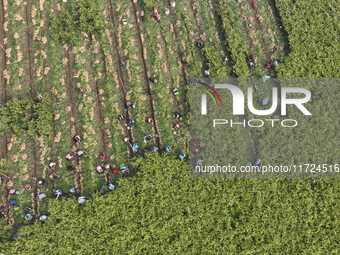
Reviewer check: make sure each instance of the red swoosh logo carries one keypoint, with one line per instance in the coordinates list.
(215, 92)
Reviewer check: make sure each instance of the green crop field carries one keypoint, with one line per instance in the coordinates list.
(89, 59)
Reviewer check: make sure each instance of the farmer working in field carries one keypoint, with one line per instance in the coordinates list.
(99, 169)
(194, 150)
(42, 182)
(52, 165)
(142, 15)
(251, 57)
(28, 216)
(81, 200)
(111, 187)
(176, 115)
(147, 138)
(69, 156)
(151, 92)
(77, 138)
(225, 60)
(102, 156)
(154, 149)
(107, 166)
(181, 156)
(251, 65)
(27, 186)
(153, 79)
(59, 193)
(52, 177)
(79, 154)
(274, 48)
(43, 218)
(132, 123)
(200, 44)
(129, 105)
(13, 202)
(40, 196)
(124, 170)
(28, 208)
(156, 14)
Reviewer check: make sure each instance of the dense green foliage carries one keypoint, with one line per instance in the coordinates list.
(63, 26)
(90, 19)
(234, 41)
(83, 17)
(162, 210)
(313, 39)
(27, 116)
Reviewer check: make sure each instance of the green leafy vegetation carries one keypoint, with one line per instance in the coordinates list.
(163, 210)
(234, 41)
(27, 116)
(84, 17)
(90, 19)
(313, 39)
(64, 27)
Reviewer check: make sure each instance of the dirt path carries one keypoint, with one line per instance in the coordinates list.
(99, 111)
(43, 46)
(199, 32)
(52, 145)
(73, 124)
(3, 65)
(142, 53)
(165, 48)
(121, 78)
(274, 13)
(3, 100)
(29, 35)
(34, 148)
(5, 199)
(179, 51)
(105, 72)
(258, 27)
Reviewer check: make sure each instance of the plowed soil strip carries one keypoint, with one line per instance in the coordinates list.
(100, 114)
(245, 29)
(3, 60)
(104, 71)
(258, 27)
(73, 120)
(197, 22)
(166, 52)
(48, 91)
(32, 143)
(118, 60)
(3, 100)
(5, 198)
(178, 105)
(274, 13)
(145, 74)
